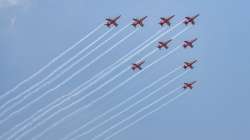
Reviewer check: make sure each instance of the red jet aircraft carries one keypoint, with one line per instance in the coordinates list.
(137, 65)
(112, 22)
(138, 21)
(164, 44)
(190, 20)
(189, 85)
(189, 43)
(166, 20)
(189, 64)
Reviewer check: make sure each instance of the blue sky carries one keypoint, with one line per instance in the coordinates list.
(33, 32)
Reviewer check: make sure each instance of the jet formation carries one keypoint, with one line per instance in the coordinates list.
(139, 22)
(10, 107)
(112, 22)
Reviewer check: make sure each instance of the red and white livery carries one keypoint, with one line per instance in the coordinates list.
(138, 21)
(189, 64)
(190, 20)
(112, 22)
(136, 66)
(189, 43)
(164, 44)
(166, 20)
(189, 85)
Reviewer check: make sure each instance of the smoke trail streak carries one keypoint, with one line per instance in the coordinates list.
(149, 54)
(69, 78)
(70, 66)
(103, 96)
(104, 53)
(50, 63)
(104, 84)
(136, 103)
(89, 53)
(28, 92)
(100, 75)
(146, 115)
(66, 97)
(136, 113)
(14, 131)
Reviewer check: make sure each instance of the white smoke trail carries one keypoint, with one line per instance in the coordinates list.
(114, 67)
(104, 84)
(146, 115)
(103, 96)
(100, 75)
(50, 63)
(66, 97)
(97, 58)
(136, 103)
(67, 79)
(136, 113)
(69, 67)
(6, 107)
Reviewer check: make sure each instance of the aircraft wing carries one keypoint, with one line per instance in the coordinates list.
(108, 19)
(161, 43)
(135, 19)
(144, 18)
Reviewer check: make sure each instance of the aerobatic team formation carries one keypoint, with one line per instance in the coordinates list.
(14, 103)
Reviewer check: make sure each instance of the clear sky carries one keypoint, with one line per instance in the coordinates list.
(33, 32)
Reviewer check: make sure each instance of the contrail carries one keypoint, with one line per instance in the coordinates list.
(25, 94)
(83, 68)
(66, 97)
(119, 74)
(92, 51)
(69, 78)
(146, 115)
(124, 102)
(50, 63)
(137, 112)
(100, 75)
(101, 87)
(106, 94)
(68, 67)
(104, 84)
(119, 64)
(128, 58)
